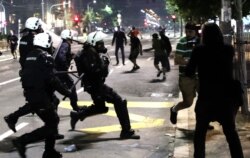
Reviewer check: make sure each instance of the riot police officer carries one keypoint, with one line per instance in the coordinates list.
(32, 27)
(39, 83)
(93, 62)
(62, 63)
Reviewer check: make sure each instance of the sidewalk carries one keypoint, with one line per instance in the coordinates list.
(216, 145)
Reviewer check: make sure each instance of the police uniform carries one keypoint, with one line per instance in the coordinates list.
(62, 63)
(94, 64)
(25, 46)
(39, 83)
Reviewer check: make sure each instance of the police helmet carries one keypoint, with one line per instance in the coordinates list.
(67, 34)
(32, 23)
(95, 37)
(42, 40)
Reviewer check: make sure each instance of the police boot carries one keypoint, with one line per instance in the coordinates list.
(51, 154)
(123, 116)
(20, 147)
(86, 112)
(11, 121)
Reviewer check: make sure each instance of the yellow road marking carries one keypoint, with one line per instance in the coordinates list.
(66, 104)
(115, 128)
(141, 121)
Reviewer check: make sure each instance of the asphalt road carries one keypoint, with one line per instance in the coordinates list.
(149, 99)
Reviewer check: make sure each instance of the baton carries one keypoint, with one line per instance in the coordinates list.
(78, 42)
(80, 77)
(65, 72)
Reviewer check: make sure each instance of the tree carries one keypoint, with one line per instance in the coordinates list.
(197, 10)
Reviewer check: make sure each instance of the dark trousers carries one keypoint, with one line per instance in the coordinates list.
(69, 82)
(47, 132)
(227, 120)
(27, 108)
(167, 65)
(117, 47)
(102, 94)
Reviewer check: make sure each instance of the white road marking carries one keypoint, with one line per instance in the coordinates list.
(6, 59)
(9, 81)
(79, 90)
(111, 71)
(10, 132)
(150, 58)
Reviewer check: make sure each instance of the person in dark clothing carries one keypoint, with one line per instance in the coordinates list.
(93, 62)
(39, 83)
(62, 63)
(214, 62)
(119, 38)
(160, 55)
(13, 42)
(135, 50)
(167, 46)
(32, 27)
(134, 32)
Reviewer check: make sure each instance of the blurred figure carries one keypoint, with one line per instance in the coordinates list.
(135, 50)
(160, 55)
(134, 32)
(13, 42)
(214, 62)
(120, 40)
(168, 47)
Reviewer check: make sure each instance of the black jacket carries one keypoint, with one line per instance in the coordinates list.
(64, 57)
(38, 79)
(25, 46)
(119, 38)
(94, 67)
(215, 72)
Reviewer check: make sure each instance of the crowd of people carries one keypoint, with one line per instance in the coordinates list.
(44, 71)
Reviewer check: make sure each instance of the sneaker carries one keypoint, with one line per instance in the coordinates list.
(159, 73)
(20, 147)
(130, 134)
(163, 78)
(11, 123)
(74, 118)
(52, 154)
(173, 116)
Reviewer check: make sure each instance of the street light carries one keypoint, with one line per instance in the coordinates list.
(119, 19)
(56, 5)
(88, 10)
(94, 2)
